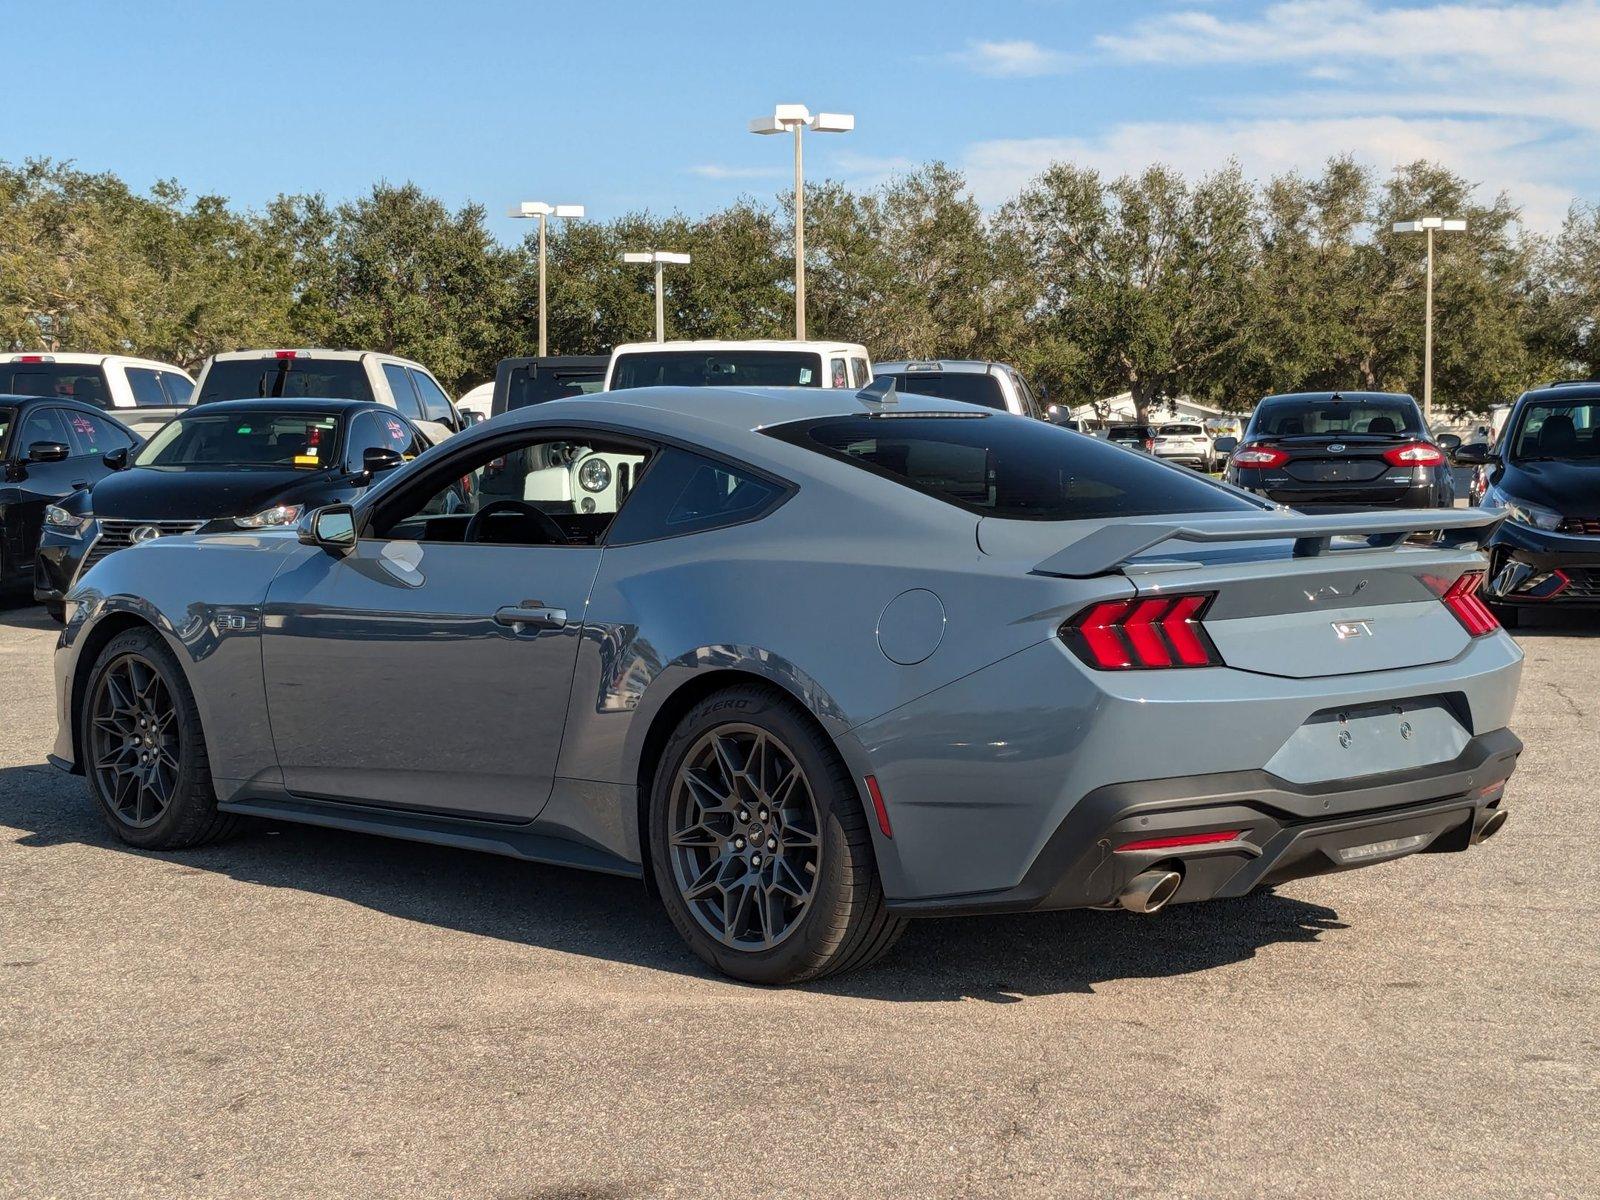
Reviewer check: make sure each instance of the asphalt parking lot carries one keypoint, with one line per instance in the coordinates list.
(300, 1012)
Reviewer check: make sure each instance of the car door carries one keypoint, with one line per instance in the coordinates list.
(423, 671)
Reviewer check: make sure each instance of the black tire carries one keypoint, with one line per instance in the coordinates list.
(188, 815)
(845, 923)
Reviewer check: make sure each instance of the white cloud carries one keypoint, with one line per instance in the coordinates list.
(723, 171)
(1012, 59)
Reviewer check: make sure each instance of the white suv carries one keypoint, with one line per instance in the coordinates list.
(1186, 442)
(333, 375)
(739, 364)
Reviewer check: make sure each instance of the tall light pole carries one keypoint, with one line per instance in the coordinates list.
(1428, 225)
(796, 119)
(660, 258)
(538, 208)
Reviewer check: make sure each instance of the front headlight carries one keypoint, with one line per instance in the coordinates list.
(595, 475)
(61, 521)
(1522, 512)
(271, 518)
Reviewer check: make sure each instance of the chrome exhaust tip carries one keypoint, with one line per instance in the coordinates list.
(1493, 825)
(1150, 891)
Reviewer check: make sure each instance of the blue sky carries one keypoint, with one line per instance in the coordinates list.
(624, 104)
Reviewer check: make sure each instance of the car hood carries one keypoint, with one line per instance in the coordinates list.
(1570, 488)
(195, 493)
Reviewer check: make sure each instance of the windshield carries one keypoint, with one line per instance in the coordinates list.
(75, 382)
(1180, 431)
(972, 388)
(305, 441)
(1130, 431)
(263, 378)
(535, 384)
(1382, 416)
(999, 465)
(1555, 430)
(718, 368)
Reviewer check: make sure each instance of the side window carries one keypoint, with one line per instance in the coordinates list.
(179, 389)
(94, 435)
(405, 395)
(533, 489)
(373, 430)
(147, 389)
(42, 425)
(685, 493)
(1030, 402)
(840, 375)
(862, 375)
(435, 404)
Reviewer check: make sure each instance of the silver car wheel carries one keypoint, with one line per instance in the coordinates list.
(744, 837)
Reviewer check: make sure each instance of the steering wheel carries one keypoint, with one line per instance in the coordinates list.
(555, 535)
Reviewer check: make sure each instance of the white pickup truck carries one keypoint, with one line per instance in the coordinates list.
(754, 363)
(144, 394)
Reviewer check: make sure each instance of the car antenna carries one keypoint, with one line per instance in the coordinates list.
(879, 391)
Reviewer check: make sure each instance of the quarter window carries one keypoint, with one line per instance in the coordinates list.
(92, 434)
(179, 389)
(146, 387)
(686, 493)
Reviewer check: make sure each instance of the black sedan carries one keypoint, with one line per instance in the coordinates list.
(246, 464)
(49, 448)
(1545, 472)
(1341, 451)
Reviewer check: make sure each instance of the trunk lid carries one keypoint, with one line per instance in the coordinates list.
(1293, 596)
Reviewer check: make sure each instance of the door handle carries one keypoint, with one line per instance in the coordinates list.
(517, 615)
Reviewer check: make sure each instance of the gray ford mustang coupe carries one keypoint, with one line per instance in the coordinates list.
(810, 663)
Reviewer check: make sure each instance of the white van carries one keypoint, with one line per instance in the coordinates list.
(739, 364)
(143, 393)
(333, 375)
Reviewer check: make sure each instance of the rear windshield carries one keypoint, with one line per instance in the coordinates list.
(1130, 431)
(718, 368)
(1340, 418)
(999, 465)
(85, 383)
(535, 384)
(971, 388)
(1558, 431)
(307, 441)
(260, 378)
(1180, 430)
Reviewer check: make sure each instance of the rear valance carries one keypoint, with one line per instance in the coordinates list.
(1108, 548)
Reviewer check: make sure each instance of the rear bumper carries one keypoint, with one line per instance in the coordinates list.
(1524, 557)
(1286, 832)
(1427, 489)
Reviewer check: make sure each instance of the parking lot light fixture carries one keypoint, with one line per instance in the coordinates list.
(1428, 226)
(660, 258)
(796, 119)
(539, 209)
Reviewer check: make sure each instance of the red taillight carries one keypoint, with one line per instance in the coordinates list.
(1462, 600)
(878, 807)
(1184, 839)
(1416, 454)
(286, 354)
(1143, 635)
(1259, 456)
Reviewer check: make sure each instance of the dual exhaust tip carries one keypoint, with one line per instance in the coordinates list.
(1150, 891)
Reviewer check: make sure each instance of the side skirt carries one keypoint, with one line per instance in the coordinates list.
(488, 837)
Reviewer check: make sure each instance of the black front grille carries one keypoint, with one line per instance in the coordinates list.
(117, 535)
(1583, 583)
(1582, 526)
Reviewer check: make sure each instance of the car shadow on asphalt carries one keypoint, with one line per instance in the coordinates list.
(1002, 959)
(18, 614)
(1563, 623)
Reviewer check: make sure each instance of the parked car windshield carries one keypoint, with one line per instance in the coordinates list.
(1181, 431)
(966, 386)
(68, 380)
(999, 465)
(718, 368)
(1552, 429)
(261, 378)
(535, 384)
(1328, 417)
(305, 441)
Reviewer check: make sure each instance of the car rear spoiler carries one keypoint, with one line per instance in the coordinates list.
(1110, 547)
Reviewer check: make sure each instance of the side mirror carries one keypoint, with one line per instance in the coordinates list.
(47, 452)
(332, 527)
(1473, 455)
(117, 459)
(377, 459)
(1225, 445)
(1448, 442)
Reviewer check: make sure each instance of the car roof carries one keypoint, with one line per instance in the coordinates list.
(1328, 396)
(1565, 389)
(953, 366)
(307, 404)
(736, 344)
(79, 359)
(312, 353)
